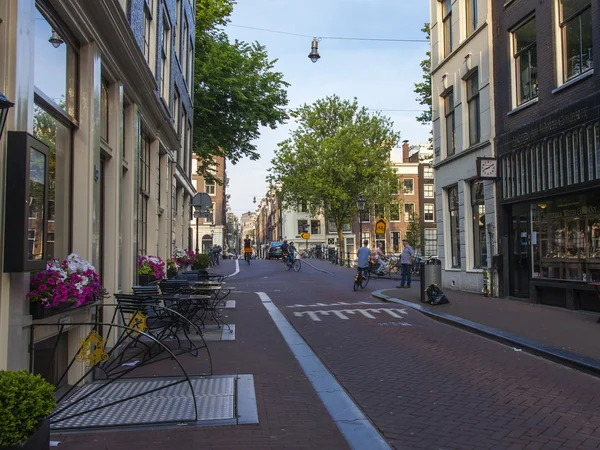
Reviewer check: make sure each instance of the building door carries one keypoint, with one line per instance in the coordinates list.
(520, 263)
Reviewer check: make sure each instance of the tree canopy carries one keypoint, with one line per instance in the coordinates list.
(338, 152)
(423, 89)
(236, 90)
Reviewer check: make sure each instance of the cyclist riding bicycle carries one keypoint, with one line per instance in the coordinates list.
(291, 252)
(247, 247)
(363, 258)
(284, 249)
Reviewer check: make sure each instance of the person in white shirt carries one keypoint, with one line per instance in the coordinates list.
(379, 258)
(406, 259)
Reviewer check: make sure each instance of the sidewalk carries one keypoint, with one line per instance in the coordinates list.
(290, 413)
(570, 337)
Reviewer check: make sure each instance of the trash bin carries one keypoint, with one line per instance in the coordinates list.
(431, 273)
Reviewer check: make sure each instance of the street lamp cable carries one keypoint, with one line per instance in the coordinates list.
(329, 37)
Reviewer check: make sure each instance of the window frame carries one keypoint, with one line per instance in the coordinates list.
(426, 188)
(411, 213)
(472, 16)
(454, 240)
(474, 117)
(412, 190)
(446, 6)
(563, 24)
(516, 63)
(449, 115)
(210, 186)
(425, 212)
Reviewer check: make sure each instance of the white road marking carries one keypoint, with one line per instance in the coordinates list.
(335, 304)
(342, 313)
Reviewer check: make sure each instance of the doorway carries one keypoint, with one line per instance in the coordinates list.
(520, 255)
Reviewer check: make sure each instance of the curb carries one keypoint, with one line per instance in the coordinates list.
(555, 354)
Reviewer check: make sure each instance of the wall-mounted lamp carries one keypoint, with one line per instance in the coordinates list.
(55, 39)
(314, 51)
(5, 105)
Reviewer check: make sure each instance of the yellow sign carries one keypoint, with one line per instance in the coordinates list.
(305, 235)
(92, 351)
(138, 322)
(380, 226)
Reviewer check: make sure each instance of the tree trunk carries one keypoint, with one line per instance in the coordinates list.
(341, 245)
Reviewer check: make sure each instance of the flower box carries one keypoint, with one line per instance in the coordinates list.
(39, 311)
(145, 280)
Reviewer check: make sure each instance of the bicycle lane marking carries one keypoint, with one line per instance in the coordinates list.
(352, 423)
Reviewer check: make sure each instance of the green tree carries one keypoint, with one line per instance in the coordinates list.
(413, 233)
(337, 152)
(236, 90)
(423, 89)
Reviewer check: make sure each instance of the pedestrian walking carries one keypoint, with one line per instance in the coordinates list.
(406, 259)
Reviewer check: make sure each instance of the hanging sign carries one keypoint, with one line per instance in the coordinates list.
(380, 226)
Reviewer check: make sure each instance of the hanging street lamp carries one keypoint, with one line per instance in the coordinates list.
(55, 39)
(5, 105)
(314, 51)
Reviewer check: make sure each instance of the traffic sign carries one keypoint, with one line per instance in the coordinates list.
(305, 235)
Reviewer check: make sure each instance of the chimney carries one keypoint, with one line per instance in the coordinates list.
(405, 151)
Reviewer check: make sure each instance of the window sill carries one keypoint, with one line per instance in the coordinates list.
(454, 269)
(475, 271)
(523, 106)
(575, 80)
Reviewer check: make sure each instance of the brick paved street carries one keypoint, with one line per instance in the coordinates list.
(422, 383)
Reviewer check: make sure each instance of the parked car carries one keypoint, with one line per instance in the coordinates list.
(275, 250)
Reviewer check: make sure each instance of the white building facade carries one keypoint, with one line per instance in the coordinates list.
(463, 133)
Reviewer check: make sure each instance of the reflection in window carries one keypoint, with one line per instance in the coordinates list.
(315, 227)
(58, 138)
(479, 230)
(409, 211)
(408, 186)
(60, 61)
(576, 25)
(525, 61)
(37, 194)
(566, 239)
(395, 212)
(454, 226)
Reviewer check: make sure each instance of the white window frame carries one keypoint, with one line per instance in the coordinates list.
(425, 190)
(412, 191)
(210, 188)
(425, 206)
(404, 212)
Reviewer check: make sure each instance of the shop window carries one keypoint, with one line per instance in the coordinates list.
(430, 243)
(58, 138)
(447, 26)
(565, 239)
(473, 107)
(428, 212)
(395, 212)
(525, 62)
(143, 195)
(479, 229)
(60, 89)
(315, 227)
(454, 226)
(471, 16)
(577, 39)
(450, 124)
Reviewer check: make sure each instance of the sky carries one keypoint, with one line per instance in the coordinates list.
(381, 75)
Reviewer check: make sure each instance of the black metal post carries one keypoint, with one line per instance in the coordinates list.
(197, 226)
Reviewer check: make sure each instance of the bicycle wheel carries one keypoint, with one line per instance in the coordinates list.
(365, 280)
(297, 265)
(288, 265)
